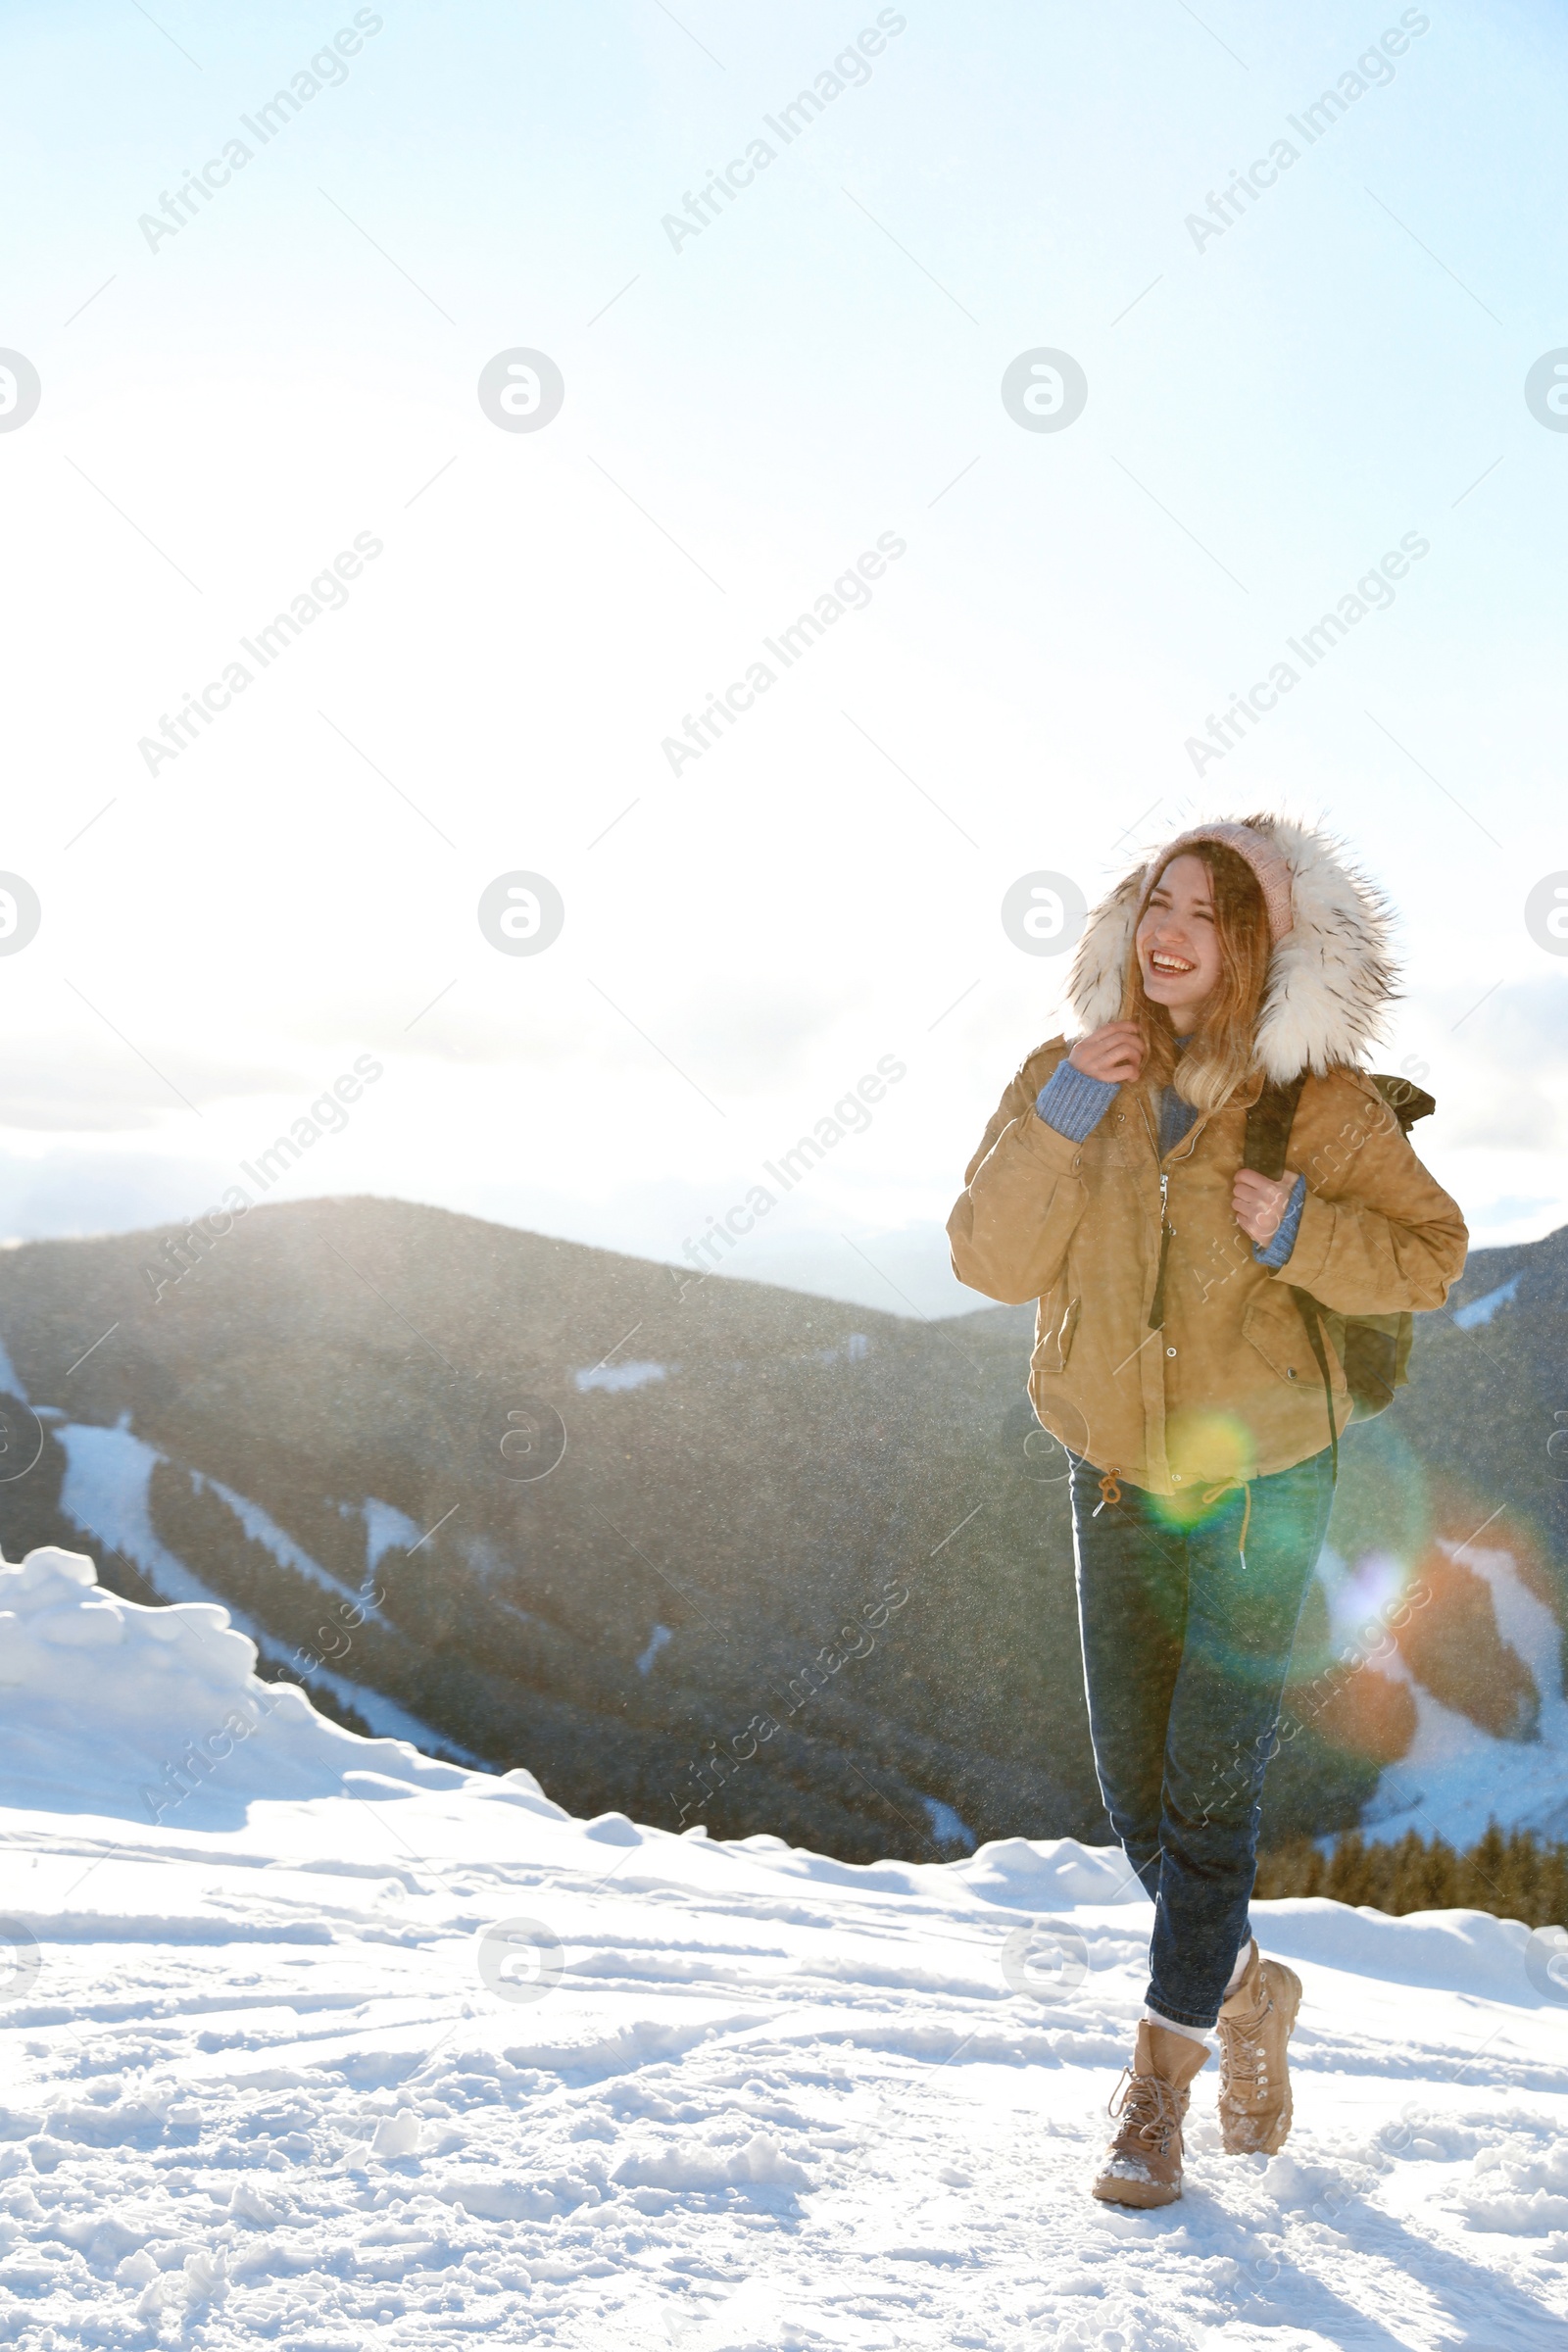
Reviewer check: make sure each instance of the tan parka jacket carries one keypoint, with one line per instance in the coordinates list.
(1228, 1385)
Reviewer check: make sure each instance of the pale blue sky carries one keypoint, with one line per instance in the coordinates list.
(1345, 366)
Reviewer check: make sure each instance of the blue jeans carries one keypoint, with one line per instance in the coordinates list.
(1186, 1646)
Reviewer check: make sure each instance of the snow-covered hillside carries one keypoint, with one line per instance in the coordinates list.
(311, 2040)
(261, 1438)
(105, 1493)
(1455, 1776)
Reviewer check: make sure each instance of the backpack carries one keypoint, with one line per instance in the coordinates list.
(1374, 1350)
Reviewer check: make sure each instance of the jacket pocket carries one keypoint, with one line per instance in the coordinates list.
(1057, 1327)
(1275, 1326)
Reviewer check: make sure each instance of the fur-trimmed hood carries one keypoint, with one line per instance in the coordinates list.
(1330, 979)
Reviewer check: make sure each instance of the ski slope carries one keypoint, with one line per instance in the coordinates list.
(313, 2041)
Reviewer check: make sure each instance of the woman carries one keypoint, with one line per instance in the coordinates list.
(1180, 1373)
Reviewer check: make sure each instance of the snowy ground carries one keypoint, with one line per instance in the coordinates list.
(342, 2045)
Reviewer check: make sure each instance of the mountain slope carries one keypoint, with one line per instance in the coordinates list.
(798, 1567)
(745, 1473)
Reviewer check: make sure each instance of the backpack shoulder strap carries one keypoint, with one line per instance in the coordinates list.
(1407, 1100)
(1268, 1135)
(1268, 1125)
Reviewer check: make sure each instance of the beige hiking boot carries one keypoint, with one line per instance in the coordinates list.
(1254, 2080)
(1144, 2163)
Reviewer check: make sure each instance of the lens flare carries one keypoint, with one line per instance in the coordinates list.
(1215, 1453)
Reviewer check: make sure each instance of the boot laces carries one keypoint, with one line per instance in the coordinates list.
(1242, 2042)
(1147, 2107)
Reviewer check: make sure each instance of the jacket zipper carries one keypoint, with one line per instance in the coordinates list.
(1156, 1311)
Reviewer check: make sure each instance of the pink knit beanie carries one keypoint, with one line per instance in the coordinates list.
(1261, 854)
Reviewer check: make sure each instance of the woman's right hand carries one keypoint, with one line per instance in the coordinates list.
(1114, 1053)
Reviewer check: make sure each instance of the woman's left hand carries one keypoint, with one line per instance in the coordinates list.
(1259, 1203)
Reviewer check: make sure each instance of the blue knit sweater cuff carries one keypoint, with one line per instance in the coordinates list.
(1276, 1252)
(1073, 1102)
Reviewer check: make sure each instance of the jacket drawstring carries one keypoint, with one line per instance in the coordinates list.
(1110, 1492)
(1228, 1486)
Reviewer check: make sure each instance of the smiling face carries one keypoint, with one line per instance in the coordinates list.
(1178, 942)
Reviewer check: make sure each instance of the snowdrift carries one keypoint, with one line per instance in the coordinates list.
(160, 1709)
(312, 2038)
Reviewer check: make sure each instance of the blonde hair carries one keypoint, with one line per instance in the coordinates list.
(1222, 1054)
